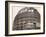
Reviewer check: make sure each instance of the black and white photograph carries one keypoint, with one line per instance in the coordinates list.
(24, 18)
(27, 18)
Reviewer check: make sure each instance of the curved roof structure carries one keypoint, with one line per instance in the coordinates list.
(26, 16)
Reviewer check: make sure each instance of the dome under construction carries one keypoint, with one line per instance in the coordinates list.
(27, 18)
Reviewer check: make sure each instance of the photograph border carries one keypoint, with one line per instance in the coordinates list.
(6, 18)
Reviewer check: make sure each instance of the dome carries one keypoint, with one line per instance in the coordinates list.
(27, 18)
